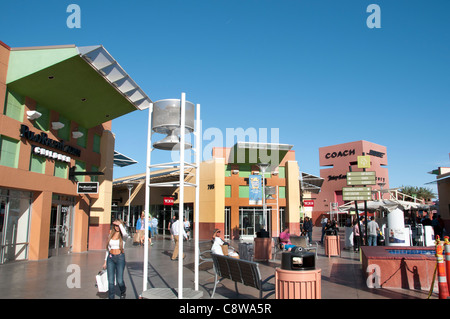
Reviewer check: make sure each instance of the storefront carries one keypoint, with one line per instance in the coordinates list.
(55, 131)
(339, 159)
(224, 194)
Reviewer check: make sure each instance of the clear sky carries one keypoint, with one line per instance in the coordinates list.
(311, 71)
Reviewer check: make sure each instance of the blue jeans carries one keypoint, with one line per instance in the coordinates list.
(372, 239)
(115, 265)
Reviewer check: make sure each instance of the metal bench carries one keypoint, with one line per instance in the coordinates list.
(240, 271)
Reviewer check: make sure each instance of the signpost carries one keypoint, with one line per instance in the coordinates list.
(361, 178)
(356, 193)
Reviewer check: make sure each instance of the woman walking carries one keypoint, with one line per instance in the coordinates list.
(115, 259)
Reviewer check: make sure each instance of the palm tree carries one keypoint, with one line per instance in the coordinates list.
(418, 192)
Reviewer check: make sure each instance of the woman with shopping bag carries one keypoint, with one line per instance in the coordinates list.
(115, 259)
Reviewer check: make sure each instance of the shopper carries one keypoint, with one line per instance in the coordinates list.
(154, 226)
(169, 227)
(372, 232)
(115, 259)
(176, 236)
(356, 235)
(285, 237)
(187, 228)
(219, 247)
(140, 228)
(308, 228)
(323, 222)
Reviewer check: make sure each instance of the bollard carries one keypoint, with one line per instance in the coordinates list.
(442, 278)
(447, 260)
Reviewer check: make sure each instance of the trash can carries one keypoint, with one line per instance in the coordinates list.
(298, 259)
(298, 277)
(332, 245)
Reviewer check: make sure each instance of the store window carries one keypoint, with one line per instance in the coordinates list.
(80, 167)
(281, 172)
(9, 152)
(227, 191)
(15, 105)
(96, 147)
(61, 169)
(37, 163)
(228, 170)
(14, 224)
(282, 191)
(244, 192)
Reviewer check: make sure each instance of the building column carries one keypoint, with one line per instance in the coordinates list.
(40, 225)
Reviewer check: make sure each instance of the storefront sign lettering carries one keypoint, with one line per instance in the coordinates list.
(340, 154)
(50, 154)
(377, 154)
(43, 139)
(336, 177)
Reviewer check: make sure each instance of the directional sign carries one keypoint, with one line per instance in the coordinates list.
(361, 178)
(357, 193)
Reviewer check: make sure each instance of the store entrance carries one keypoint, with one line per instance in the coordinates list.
(61, 221)
(252, 220)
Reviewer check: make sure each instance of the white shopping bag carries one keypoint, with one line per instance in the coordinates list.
(102, 281)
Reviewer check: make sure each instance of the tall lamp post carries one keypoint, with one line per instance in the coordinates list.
(263, 167)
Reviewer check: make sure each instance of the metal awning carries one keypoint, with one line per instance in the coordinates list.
(257, 153)
(83, 84)
(122, 160)
(311, 183)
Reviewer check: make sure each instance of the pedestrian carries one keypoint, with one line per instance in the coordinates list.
(372, 232)
(356, 235)
(169, 227)
(149, 231)
(308, 229)
(323, 222)
(176, 236)
(115, 259)
(187, 228)
(140, 228)
(154, 226)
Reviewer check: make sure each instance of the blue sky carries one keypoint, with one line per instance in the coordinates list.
(311, 69)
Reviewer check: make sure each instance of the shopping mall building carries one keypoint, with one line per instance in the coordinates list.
(339, 159)
(55, 119)
(225, 193)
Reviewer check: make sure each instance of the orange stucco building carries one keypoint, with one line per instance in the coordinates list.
(52, 122)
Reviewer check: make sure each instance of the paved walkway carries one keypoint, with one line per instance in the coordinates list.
(72, 276)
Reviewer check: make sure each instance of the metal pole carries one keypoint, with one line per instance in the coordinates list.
(147, 195)
(181, 205)
(198, 149)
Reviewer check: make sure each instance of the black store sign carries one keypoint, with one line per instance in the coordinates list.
(87, 187)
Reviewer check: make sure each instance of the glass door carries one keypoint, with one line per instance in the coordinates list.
(61, 218)
(252, 220)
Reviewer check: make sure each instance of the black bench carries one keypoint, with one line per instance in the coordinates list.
(240, 271)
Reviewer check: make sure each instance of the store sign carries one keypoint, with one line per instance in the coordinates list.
(376, 153)
(168, 201)
(340, 154)
(50, 154)
(87, 188)
(44, 140)
(308, 203)
(364, 161)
